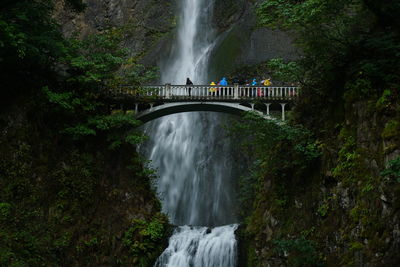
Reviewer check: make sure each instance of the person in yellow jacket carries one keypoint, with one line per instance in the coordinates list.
(213, 89)
(267, 82)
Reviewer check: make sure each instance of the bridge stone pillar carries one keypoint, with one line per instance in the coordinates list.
(168, 91)
(236, 91)
(136, 108)
(267, 105)
(151, 106)
(283, 110)
(252, 106)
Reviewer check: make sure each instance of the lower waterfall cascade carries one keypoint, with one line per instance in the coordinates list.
(196, 188)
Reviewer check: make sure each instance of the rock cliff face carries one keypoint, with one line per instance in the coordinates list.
(343, 211)
(148, 28)
(73, 206)
(242, 42)
(146, 25)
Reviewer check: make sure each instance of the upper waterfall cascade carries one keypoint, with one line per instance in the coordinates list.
(193, 156)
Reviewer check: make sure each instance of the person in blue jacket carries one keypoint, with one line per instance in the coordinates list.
(253, 83)
(223, 82)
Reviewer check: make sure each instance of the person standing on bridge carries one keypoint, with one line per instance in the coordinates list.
(223, 82)
(189, 89)
(268, 83)
(213, 89)
(253, 83)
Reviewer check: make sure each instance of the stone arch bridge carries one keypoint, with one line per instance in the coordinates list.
(154, 101)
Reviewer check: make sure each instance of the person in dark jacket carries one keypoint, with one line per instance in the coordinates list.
(189, 89)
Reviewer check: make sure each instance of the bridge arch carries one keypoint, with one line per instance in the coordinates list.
(170, 99)
(180, 107)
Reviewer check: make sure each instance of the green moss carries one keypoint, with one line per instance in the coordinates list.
(392, 172)
(224, 56)
(323, 210)
(251, 257)
(356, 246)
(391, 130)
(348, 161)
(145, 239)
(5, 211)
(55, 211)
(301, 252)
(357, 89)
(384, 101)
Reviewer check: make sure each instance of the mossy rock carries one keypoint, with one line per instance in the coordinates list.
(225, 54)
(391, 130)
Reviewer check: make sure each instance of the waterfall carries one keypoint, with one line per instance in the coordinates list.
(200, 247)
(194, 42)
(192, 155)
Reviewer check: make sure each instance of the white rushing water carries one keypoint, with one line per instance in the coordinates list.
(200, 247)
(193, 157)
(195, 39)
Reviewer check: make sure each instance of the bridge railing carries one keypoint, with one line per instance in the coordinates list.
(208, 92)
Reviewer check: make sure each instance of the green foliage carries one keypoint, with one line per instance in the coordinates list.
(350, 51)
(348, 160)
(5, 211)
(248, 186)
(300, 251)
(97, 65)
(95, 59)
(144, 239)
(350, 56)
(323, 210)
(358, 89)
(245, 72)
(391, 130)
(285, 71)
(367, 188)
(392, 172)
(48, 202)
(280, 152)
(28, 32)
(356, 246)
(266, 135)
(20, 246)
(115, 126)
(55, 188)
(384, 101)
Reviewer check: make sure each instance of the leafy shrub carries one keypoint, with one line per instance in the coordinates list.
(5, 211)
(392, 171)
(299, 251)
(144, 239)
(279, 152)
(391, 130)
(384, 101)
(282, 71)
(348, 159)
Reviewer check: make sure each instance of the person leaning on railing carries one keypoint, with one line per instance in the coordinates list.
(189, 89)
(212, 89)
(223, 82)
(253, 83)
(267, 82)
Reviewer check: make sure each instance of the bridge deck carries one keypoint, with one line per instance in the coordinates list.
(207, 93)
